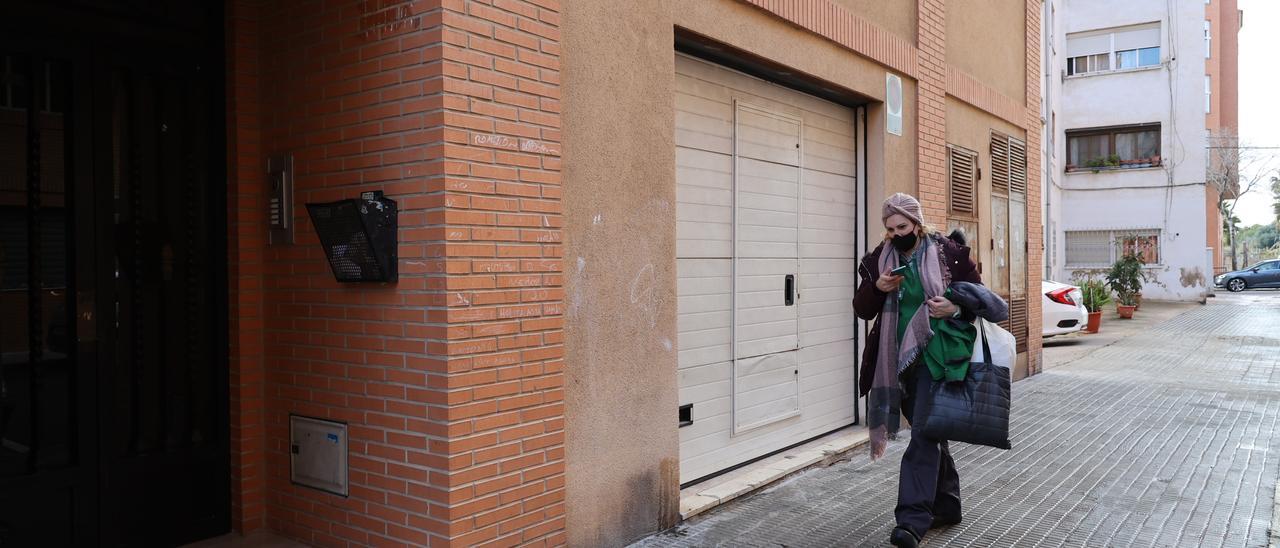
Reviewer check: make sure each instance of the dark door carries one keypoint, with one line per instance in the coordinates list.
(113, 386)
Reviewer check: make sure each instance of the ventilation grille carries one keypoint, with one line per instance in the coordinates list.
(999, 163)
(1017, 322)
(962, 173)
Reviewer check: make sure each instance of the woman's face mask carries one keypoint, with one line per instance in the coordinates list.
(904, 242)
(902, 232)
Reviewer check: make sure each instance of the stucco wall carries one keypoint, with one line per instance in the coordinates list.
(1052, 65)
(1180, 276)
(896, 17)
(894, 164)
(619, 157)
(987, 39)
(620, 333)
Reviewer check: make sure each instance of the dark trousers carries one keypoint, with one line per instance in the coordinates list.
(928, 485)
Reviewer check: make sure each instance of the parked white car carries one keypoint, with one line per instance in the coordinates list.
(1063, 307)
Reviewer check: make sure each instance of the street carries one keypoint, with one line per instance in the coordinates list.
(1160, 435)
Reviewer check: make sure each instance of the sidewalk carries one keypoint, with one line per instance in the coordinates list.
(1065, 349)
(1164, 438)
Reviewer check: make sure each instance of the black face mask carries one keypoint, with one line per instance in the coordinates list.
(905, 242)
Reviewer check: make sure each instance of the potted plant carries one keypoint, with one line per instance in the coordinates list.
(1096, 296)
(1125, 278)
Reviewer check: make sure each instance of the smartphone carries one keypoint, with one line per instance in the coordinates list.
(900, 271)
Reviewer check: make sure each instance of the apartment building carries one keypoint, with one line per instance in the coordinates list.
(1140, 88)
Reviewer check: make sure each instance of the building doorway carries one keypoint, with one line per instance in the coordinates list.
(113, 299)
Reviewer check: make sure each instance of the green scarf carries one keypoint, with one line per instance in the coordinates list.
(950, 349)
(948, 352)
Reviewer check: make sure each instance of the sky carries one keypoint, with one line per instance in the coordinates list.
(1259, 109)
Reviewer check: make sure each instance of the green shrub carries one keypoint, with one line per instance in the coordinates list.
(1125, 278)
(1095, 293)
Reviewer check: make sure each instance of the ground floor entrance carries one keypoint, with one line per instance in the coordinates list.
(767, 222)
(113, 384)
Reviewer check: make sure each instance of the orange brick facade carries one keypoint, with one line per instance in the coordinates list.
(451, 379)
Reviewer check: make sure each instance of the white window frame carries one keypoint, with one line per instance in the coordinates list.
(1208, 40)
(1113, 245)
(1112, 56)
(1208, 93)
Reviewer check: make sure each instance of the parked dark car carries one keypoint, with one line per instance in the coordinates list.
(1263, 274)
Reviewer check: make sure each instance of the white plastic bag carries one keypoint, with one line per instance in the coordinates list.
(1004, 348)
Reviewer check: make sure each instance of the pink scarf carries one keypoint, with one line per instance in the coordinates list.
(893, 358)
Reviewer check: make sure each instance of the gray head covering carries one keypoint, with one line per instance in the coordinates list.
(904, 205)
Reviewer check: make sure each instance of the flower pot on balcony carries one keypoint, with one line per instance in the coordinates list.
(1125, 311)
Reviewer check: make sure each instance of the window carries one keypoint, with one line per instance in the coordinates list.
(1134, 58)
(962, 202)
(1208, 94)
(962, 176)
(1113, 49)
(1101, 248)
(1088, 63)
(1113, 148)
(1208, 40)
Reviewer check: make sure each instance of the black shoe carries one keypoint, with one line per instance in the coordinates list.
(943, 521)
(903, 538)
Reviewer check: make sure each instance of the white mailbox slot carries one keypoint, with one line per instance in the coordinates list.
(318, 454)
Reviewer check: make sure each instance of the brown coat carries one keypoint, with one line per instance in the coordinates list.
(868, 300)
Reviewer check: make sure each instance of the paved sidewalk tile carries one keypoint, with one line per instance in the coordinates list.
(1167, 438)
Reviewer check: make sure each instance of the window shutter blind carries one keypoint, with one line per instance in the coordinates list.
(1017, 166)
(962, 171)
(999, 164)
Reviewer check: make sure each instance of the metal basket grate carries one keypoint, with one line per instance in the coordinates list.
(359, 237)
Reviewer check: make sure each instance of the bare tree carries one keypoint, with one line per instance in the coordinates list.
(1275, 199)
(1235, 169)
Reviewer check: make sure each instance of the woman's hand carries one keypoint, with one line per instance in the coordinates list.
(888, 283)
(940, 307)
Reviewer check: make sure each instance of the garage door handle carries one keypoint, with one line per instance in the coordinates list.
(790, 289)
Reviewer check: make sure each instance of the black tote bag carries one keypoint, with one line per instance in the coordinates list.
(973, 411)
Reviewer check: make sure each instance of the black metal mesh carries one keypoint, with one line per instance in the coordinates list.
(358, 237)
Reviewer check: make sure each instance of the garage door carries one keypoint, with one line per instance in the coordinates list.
(766, 217)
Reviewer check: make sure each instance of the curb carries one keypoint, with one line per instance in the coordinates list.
(821, 452)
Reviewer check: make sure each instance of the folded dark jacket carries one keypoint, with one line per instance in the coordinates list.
(976, 298)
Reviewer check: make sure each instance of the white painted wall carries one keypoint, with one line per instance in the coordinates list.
(1052, 65)
(1169, 198)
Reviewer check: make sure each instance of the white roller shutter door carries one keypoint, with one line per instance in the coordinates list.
(765, 193)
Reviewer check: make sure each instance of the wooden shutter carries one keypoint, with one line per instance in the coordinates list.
(962, 176)
(1000, 163)
(1017, 322)
(1018, 313)
(1017, 166)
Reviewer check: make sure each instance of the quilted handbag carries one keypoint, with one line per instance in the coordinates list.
(973, 411)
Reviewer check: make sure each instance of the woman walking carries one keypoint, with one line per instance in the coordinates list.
(904, 281)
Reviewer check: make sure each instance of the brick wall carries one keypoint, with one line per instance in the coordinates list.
(348, 91)
(1035, 232)
(503, 299)
(450, 379)
(931, 38)
(246, 229)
